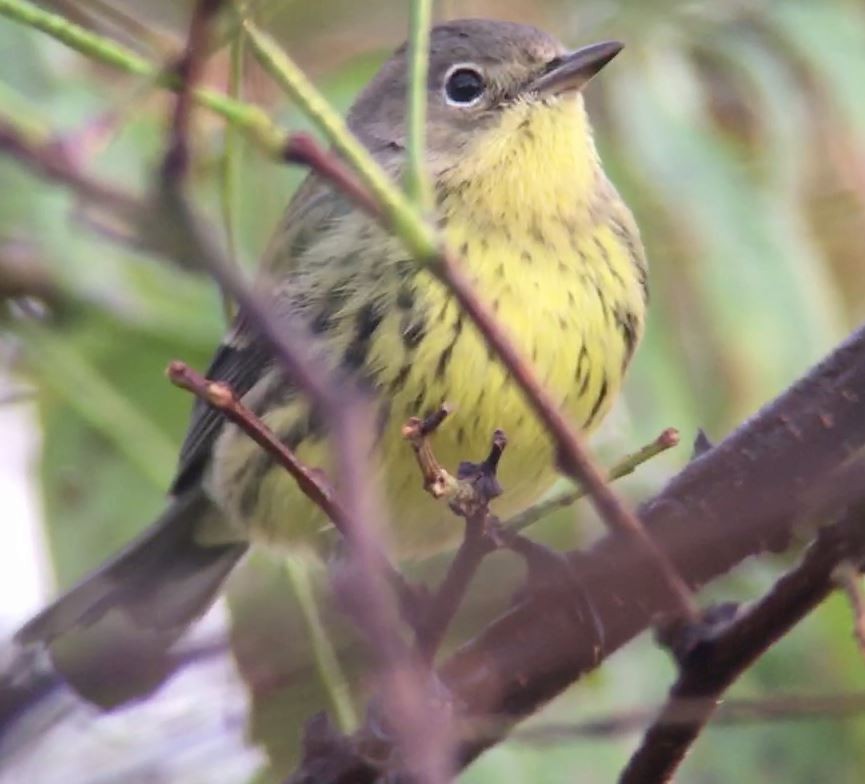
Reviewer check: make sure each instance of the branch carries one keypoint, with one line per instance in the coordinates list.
(49, 160)
(714, 661)
(391, 204)
(421, 742)
(468, 496)
(188, 71)
(668, 439)
(221, 397)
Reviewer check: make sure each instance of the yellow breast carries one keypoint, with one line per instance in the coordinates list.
(552, 250)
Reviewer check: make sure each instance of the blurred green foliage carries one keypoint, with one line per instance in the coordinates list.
(736, 130)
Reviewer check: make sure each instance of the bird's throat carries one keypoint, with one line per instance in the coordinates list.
(540, 159)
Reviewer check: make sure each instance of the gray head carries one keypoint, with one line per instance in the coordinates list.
(477, 69)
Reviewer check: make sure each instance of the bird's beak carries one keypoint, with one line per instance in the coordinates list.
(571, 72)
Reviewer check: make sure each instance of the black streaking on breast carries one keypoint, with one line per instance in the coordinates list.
(367, 321)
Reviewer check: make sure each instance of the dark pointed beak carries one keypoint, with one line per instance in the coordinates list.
(573, 71)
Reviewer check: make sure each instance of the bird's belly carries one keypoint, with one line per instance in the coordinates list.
(581, 372)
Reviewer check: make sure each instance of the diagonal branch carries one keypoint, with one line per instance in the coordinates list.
(49, 160)
(668, 439)
(221, 396)
(251, 119)
(714, 661)
(742, 497)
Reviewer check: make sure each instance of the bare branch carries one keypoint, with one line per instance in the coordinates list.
(719, 655)
(221, 396)
(188, 71)
(668, 439)
(50, 160)
(742, 497)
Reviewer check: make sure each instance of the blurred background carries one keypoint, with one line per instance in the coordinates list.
(736, 131)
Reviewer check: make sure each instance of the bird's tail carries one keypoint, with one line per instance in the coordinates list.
(161, 582)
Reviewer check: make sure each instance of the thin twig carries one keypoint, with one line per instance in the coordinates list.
(410, 714)
(188, 70)
(390, 202)
(627, 465)
(417, 183)
(437, 481)
(48, 159)
(221, 397)
(468, 496)
(302, 149)
(232, 169)
(129, 26)
(331, 673)
(475, 546)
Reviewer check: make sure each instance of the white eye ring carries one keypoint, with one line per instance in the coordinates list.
(452, 90)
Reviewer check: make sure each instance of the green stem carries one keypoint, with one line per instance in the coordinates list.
(416, 180)
(251, 119)
(326, 660)
(627, 465)
(406, 221)
(231, 168)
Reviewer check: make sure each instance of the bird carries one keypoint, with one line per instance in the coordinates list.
(521, 196)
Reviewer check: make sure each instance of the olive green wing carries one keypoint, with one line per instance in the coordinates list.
(242, 359)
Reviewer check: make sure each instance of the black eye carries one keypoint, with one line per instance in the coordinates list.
(464, 86)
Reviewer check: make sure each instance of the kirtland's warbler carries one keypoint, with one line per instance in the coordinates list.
(521, 195)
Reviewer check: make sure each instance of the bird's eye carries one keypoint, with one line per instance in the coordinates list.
(464, 86)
